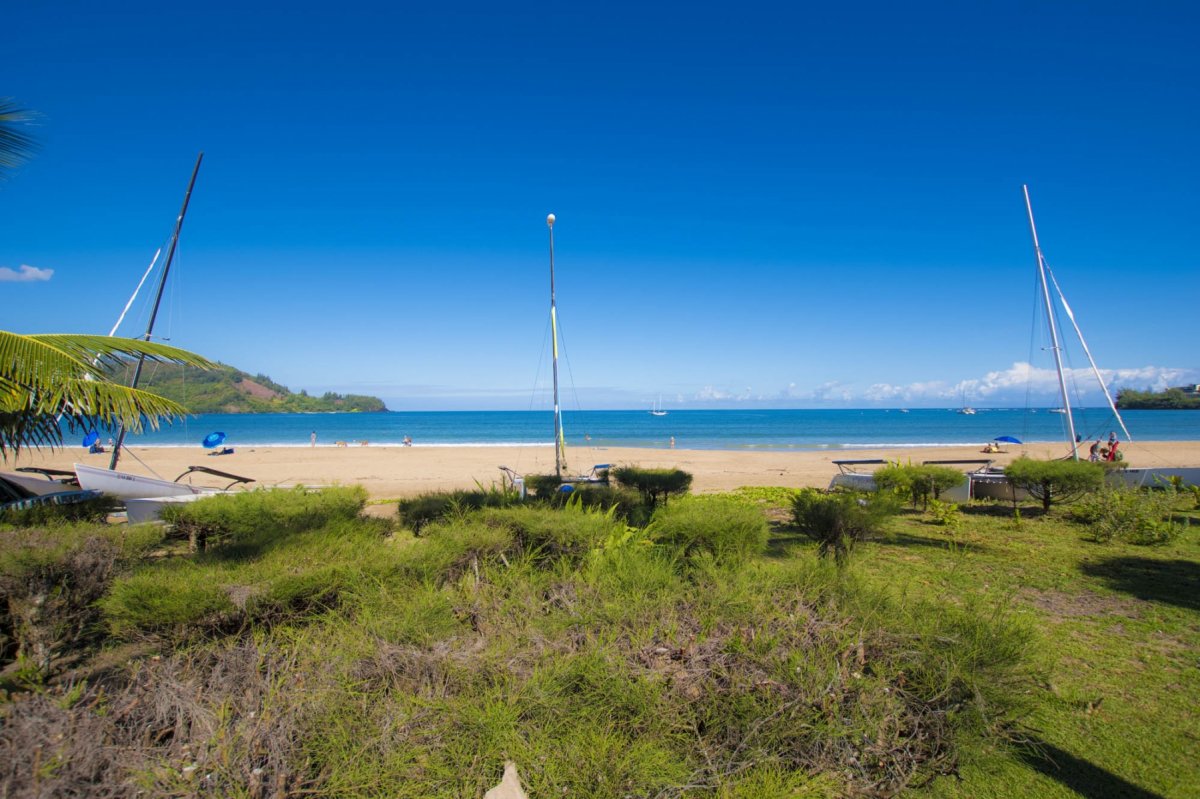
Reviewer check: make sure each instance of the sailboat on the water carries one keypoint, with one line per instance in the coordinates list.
(657, 410)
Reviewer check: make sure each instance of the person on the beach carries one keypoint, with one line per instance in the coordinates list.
(312, 439)
(408, 441)
(672, 442)
(1112, 439)
(1112, 451)
(1094, 452)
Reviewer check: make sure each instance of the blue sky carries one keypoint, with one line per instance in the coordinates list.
(777, 205)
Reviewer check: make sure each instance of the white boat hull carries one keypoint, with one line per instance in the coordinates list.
(149, 509)
(131, 486)
(1155, 477)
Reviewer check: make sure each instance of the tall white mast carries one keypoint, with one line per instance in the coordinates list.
(1054, 343)
(560, 443)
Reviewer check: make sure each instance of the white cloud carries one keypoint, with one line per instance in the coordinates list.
(1041, 384)
(26, 274)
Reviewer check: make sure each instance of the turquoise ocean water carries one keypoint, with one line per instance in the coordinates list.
(694, 429)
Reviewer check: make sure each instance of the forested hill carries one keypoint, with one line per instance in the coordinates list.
(229, 390)
(1170, 400)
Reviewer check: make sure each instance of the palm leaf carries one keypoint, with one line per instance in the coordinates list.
(45, 378)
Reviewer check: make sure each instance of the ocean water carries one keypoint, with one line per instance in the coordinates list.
(694, 429)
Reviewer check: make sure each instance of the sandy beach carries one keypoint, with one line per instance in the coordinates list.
(394, 472)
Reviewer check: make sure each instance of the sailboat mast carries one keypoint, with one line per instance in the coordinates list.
(1054, 343)
(560, 454)
(162, 282)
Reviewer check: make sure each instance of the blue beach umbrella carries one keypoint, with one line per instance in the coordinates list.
(90, 438)
(213, 440)
(1008, 439)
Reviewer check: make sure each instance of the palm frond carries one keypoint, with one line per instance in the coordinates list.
(15, 144)
(53, 377)
(113, 349)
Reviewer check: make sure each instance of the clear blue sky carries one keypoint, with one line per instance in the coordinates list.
(785, 205)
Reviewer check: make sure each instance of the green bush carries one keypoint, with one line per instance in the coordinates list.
(922, 483)
(653, 484)
(262, 580)
(1055, 481)
(1128, 514)
(49, 579)
(946, 514)
(629, 504)
(256, 516)
(417, 512)
(839, 519)
(542, 486)
(728, 529)
(94, 510)
(569, 533)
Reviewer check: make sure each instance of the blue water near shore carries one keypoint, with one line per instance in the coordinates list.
(713, 429)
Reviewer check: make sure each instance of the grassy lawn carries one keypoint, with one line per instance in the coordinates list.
(306, 650)
(1117, 711)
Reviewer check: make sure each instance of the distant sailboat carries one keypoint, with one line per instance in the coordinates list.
(656, 410)
(966, 409)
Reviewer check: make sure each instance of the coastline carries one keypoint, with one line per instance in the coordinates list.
(393, 472)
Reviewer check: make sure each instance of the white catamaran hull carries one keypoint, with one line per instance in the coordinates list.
(132, 486)
(148, 509)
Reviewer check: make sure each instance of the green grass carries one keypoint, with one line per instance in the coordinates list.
(1114, 712)
(311, 651)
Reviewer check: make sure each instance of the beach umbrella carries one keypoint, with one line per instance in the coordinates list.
(1008, 439)
(213, 440)
(90, 438)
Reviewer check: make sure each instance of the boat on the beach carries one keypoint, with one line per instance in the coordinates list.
(599, 472)
(124, 485)
(1131, 476)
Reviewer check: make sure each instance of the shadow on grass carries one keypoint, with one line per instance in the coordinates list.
(783, 540)
(937, 542)
(1172, 582)
(1081, 776)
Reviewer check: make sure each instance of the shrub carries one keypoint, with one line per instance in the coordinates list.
(542, 485)
(94, 510)
(728, 529)
(1050, 481)
(262, 514)
(419, 511)
(946, 514)
(1128, 514)
(261, 581)
(837, 520)
(921, 482)
(568, 533)
(49, 580)
(654, 484)
(628, 503)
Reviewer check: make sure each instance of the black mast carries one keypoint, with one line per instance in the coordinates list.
(162, 282)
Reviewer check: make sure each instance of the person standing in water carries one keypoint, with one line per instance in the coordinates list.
(312, 439)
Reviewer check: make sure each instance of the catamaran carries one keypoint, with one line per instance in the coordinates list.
(1130, 476)
(599, 471)
(124, 485)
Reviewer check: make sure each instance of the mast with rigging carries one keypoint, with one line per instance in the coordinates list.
(560, 443)
(1054, 341)
(162, 282)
